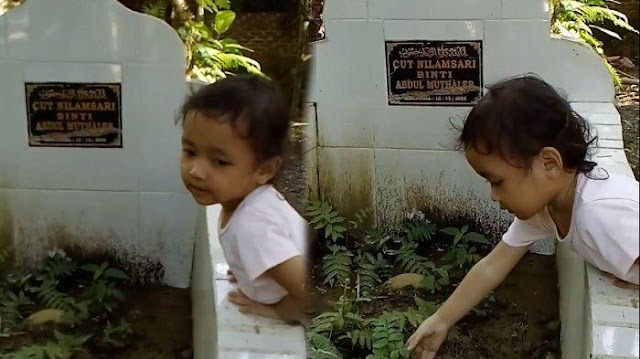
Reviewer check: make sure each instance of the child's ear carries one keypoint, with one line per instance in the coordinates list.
(551, 159)
(268, 170)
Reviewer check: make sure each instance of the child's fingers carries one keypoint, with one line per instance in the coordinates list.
(416, 337)
(609, 275)
(626, 285)
(238, 298)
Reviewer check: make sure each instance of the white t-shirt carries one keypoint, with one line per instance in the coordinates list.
(264, 231)
(604, 224)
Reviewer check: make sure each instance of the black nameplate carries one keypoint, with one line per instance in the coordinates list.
(435, 73)
(74, 114)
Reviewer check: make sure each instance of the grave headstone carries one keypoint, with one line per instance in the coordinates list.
(89, 149)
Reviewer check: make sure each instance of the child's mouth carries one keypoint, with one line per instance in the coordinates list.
(197, 191)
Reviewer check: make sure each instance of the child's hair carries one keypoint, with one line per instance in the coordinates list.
(519, 116)
(255, 109)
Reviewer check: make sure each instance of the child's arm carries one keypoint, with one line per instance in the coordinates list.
(486, 275)
(291, 275)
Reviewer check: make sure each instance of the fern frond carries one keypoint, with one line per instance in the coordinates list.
(337, 265)
(388, 337)
(321, 347)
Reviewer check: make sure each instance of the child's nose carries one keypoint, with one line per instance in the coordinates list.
(197, 170)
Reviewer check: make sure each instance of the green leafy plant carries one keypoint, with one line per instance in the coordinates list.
(416, 228)
(157, 9)
(102, 288)
(353, 325)
(210, 55)
(463, 251)
(117, 336)
(436, 278)
(324, 217)
(64, 347)
(321, 347)
(337, 265)
(368, 273)
(12, 308)
(409, 261)
(577, 19)
(59, 266)
(361, 337)
(388, 337)
(418, 314)
(338, 320)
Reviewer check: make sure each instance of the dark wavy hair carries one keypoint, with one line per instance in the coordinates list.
(256, 110)
(520, 116)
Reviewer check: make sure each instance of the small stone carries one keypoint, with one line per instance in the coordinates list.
(45, 316)
(404, 280)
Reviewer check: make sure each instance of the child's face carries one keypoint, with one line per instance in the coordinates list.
(217, 165)
(522, 191)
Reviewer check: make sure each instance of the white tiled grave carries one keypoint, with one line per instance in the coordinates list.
(246, 336)
(599, 320)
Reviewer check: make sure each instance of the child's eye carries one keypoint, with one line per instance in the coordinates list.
(188, 152)
(219, 162)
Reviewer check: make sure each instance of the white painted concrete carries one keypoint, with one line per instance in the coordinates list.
(126, 202)
(221, 331)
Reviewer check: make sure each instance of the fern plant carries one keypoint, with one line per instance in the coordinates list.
(321, 347)
(409, 261)
(388, 337)
(64, 347)
(576, 20)
(12, 307)
(323, 217)
(368, 273)
(59, 266)
(337, 265)
(416, 228)
(361, 337)
(337, 321)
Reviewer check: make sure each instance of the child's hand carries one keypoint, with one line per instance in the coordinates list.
(619, 282)
(248, 306)
(428, 338)
(231, 277)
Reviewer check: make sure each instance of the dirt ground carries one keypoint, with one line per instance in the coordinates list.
(628, 106)
(160, 319)
(522, 323)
